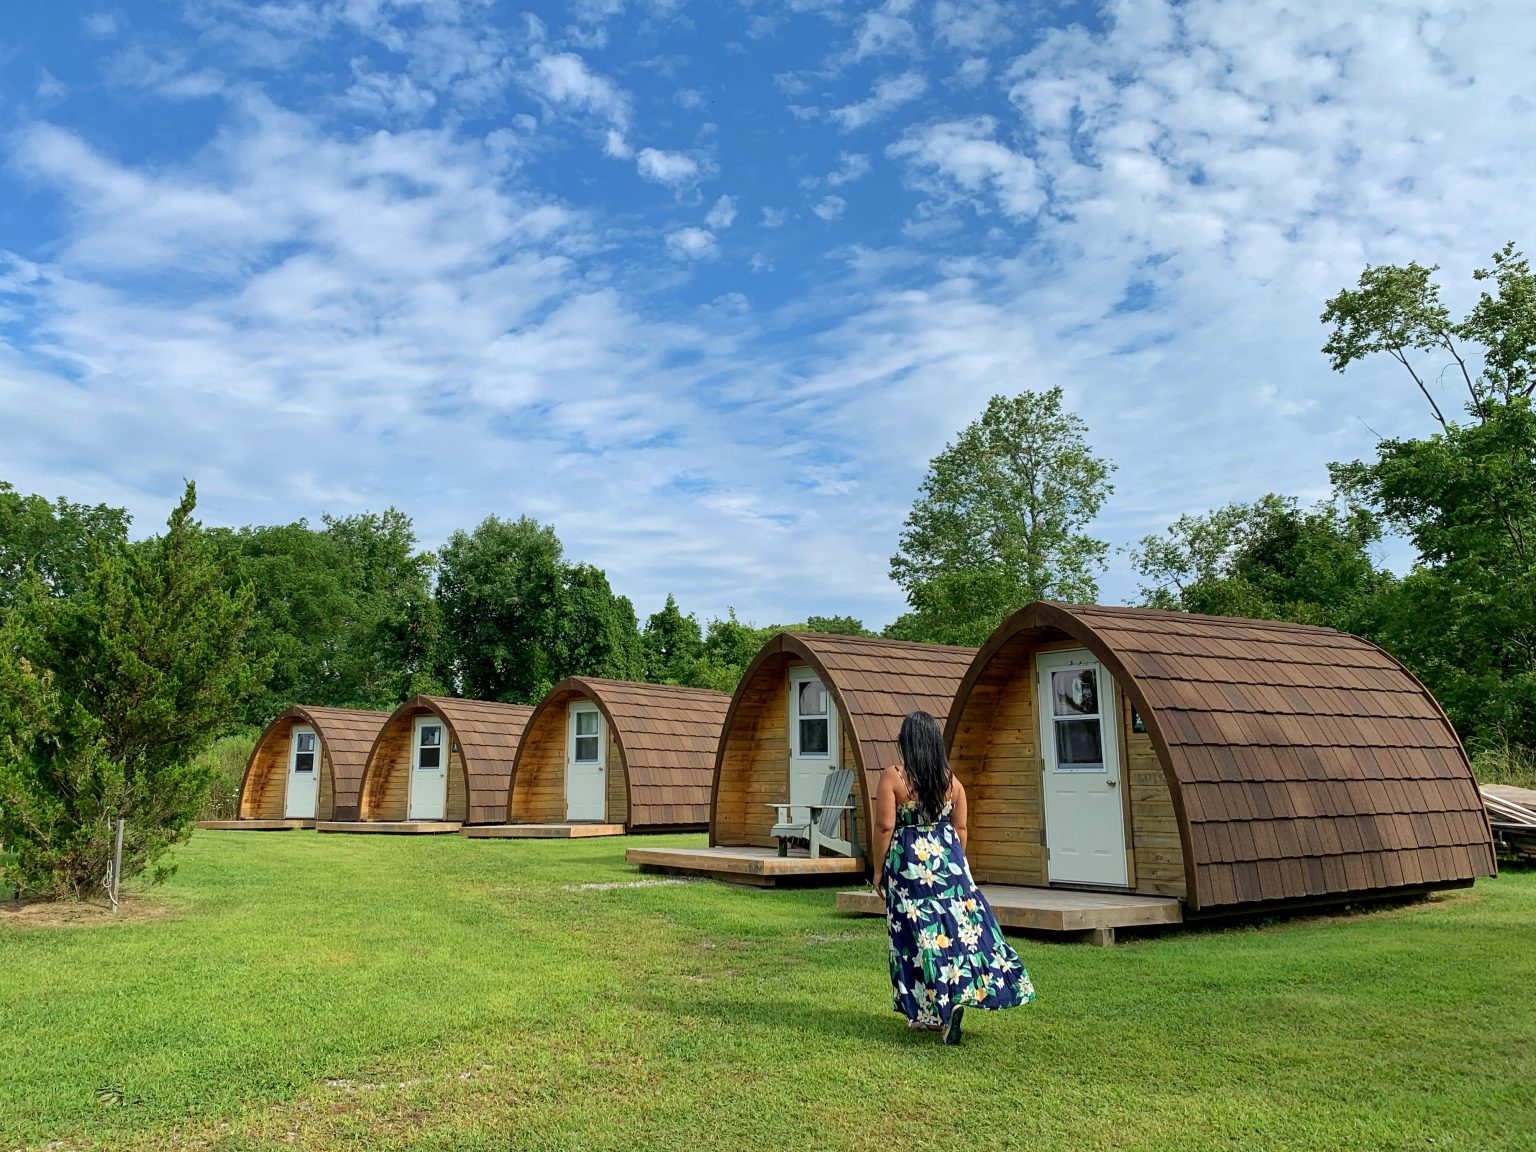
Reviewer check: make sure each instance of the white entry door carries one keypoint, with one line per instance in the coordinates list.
(812, 739)
(585, 781)
(1084, 821)
(303, 775)
(429, 771)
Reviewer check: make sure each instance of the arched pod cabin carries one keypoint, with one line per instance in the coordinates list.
(437, 764)
(807, 705)
(1226, 763)
(602, 757)
(307, 766)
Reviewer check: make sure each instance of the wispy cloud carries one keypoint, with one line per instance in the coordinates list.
(963, 159)
(888, 94)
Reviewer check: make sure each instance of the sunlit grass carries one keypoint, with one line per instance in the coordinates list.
(341, 992)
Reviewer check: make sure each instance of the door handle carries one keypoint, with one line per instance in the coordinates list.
(1111, 783)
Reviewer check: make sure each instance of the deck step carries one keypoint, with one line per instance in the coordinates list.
(390, 827)
(539, 831)
(254, 825)
(1092, 914)
(760, 866)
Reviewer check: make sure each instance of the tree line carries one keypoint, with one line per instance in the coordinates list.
(121, 659)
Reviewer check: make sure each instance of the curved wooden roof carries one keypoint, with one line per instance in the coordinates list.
(875, 683)
(488, 734)
(667, 736)
(346, 736)
(1303, 762)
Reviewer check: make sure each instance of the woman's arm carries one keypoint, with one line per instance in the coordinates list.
(885, 824)
(958, 816)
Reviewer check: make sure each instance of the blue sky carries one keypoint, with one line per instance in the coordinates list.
(707, 284)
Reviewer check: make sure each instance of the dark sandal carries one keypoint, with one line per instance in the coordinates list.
(952, 1029)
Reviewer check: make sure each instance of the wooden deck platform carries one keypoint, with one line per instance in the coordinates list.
(391, 827)
(539, 831)
(255, 825)
(1093, 916)
(760, 866)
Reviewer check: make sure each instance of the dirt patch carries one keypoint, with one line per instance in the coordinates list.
(23, 914)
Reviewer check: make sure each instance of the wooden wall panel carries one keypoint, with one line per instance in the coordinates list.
(755, 769)
(458, 786)
(1158, 859)
(325, 803)
(538, 789)
(996, 756)
(266, 782)
(386, 786)
(618, 787)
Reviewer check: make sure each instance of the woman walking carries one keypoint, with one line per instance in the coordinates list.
(947, 951)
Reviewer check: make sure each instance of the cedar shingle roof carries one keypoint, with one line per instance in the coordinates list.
(667, 736)
(1303, 762)
(346, 735)
(488, 735)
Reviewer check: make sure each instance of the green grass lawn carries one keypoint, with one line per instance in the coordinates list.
(323, 992)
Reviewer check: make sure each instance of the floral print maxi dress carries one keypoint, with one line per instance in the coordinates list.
(947, 950)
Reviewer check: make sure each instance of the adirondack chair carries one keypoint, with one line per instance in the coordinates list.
(822, 829)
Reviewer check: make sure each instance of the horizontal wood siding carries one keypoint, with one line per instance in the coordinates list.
(387, 783)
(538, 788)
(458, 786)
(618, 788)
(755, 769)
(995, 755)
(325, 804)
(266, 782)
(1158, 858)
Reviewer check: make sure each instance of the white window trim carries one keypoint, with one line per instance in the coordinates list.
(804, 675)
(1109, 735)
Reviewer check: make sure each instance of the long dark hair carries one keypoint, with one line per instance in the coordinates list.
(922, 751)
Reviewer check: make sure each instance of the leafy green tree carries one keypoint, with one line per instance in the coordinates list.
(53, 539)
(1270, 559)
(343, 613)
(1465, 618)
(1396, 311)
(837, 626)
(729, 646)
(673, 645)
(596, 633)
(498, 590)
(120, 687)
(1000, 520)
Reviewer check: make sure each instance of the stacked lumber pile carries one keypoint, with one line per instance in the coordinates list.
(1512, 815)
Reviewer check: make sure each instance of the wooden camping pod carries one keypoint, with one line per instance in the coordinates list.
(482, 746)
(1272, 762)
(874, 683)
(660, 743)
(345, 736)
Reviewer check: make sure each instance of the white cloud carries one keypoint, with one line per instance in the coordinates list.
(964, 157)
(851, 166)
(102, 24)
(723, 214)
(885, 31)
(387, 95)
(692, 244)
(564, 79)
(774, 217)
(972, 25)
(973, 71)
(829, 208)
(888, 94)
(674, 169)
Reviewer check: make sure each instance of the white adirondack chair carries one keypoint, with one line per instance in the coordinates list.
(823, 828)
